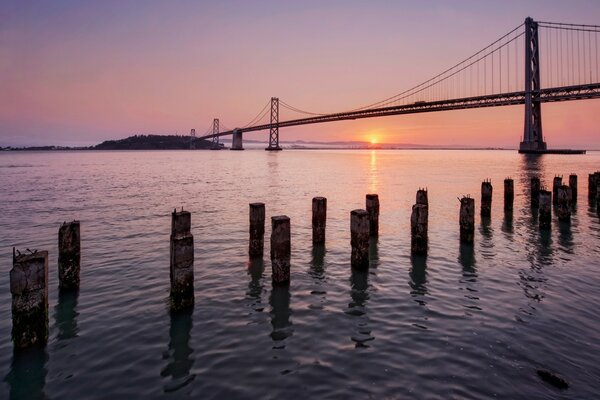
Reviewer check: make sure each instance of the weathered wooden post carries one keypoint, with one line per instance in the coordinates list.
(256, 243)
(573, 186)
(467, 219)
(535, 192)
(545, 216)
(509, 194)
(373, 210)
(555, 184)
(182, 260)
(418, 229)
(359, 238)
(29, 289)
(319, 219)
(486, 198)
(69, 255)
(598, 196)
(422, 197)
(563, 210)
(592, 184)
(281, 249)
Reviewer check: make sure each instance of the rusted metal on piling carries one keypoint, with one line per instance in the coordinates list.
(319, 219)
(373, 210)
(69, 255)
(256, 243)
(29, 289)
(359, 238)
(182, 260)
(280, 249)
(467, 219)
(486, 198)
(556, 182)
(545, 213)
(563, 206)
(509, 194)
(535, 192)
(573, 186)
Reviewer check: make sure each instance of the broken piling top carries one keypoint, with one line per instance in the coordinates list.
(486, 198)
(372, 208)
(257, 229)
(257, 213)
(29, 289)
(319, 219)
(69, 255)
(69, 236)
(422, 197)
(359, 238)
(181, 222)
(466, 219)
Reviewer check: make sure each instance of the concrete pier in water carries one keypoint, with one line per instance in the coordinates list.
(556, 182)
(467, 220)
(256, 243)
(509, 194)
(563, 206)
(359, 239)
(486, 198)
(319, 219)
(29, 289)
(236, 140)
(535, 192)
(373, 210)
(69, 255)
(182, 260)
(545, 215)
(280, 249)
(573, 186)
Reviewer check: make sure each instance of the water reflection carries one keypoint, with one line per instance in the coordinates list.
(468, 281)
(179, 353)
(565, 236)
(487, 242)
(373, 252)
(418, 278)
(359, 292)
(317, 273)
(373, 173)
(27, 375)
(507, 224)
(65, 314)
(256, 268)
(280, 314)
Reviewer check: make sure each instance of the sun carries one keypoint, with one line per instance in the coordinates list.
(373, 140)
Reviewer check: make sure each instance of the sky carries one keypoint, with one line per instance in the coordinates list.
(80, 72)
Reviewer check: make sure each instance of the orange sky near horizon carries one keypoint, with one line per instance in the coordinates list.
(78, 74)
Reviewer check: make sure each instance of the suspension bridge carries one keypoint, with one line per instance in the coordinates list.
(536, 62)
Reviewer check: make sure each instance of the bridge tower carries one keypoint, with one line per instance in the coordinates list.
(215, 132)
(532, 135)
(192, 139)
(274, 127)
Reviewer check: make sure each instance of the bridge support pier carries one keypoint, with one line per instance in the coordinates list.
(236, 142)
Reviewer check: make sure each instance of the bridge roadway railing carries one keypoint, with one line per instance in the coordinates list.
(566, 93)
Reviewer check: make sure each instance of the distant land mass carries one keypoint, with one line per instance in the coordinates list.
(154, 142)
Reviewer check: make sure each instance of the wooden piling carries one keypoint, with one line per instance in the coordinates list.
(418, 229)
(573, 186)
(563, 209)
(467, 220)
(29, 289)
(556, 182)
(509, 194)
(69, 255)
(182, 261)
(422, 197)
(256, 242)
(373, 211)
(319, 219)
(545, 214)
(486, 198)
(280, 249)
(359, 238)
(535, 192)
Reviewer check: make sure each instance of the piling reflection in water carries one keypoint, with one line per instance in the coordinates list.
(317, 273)
(468, 281)
(66, 314)
(27, 375)
(359, 293)
(418, 278)
(256, 268)
(487, 240)
(280, 314)
(565, 236)
(179, 353)
(373, 252)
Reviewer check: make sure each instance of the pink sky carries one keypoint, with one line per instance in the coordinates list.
(78, 73)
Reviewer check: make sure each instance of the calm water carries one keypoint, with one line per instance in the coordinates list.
(464, 322)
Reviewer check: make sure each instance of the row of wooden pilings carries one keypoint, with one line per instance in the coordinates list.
(29, 275)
